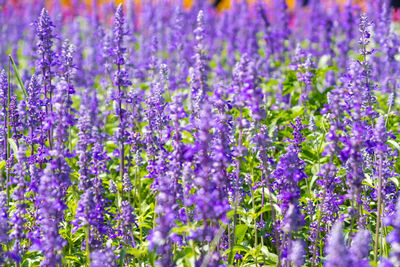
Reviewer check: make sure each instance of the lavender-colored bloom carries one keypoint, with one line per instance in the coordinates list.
(61, 119)
(121, 81)
(84, 212)
(4, 224)
(67, 57)
(120, 77)
(393, 237)
(44, 32)
(292, 220)
(113, 187)
(364, 25)
(18, 220)
(337, 253)
(297, 253)
(245, 87)
(155, 115)
(199, 73)
(35, 116)
(207, 188)
(126, 183)
(51, 209)
(281, 29)
(103, 257)
(3, 114)
(360, 248)
(53, 184)
(99, 226)
(305, 75)
(14, 119)
(381, 135)
(167, 212)
(85, 139)
(127, 221)
(46, 56)
(347, 23)
(290, 170)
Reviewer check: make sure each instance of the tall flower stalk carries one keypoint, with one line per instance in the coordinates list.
(121, 82)
(46, 57)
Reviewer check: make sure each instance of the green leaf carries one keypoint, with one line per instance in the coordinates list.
(395, 144)
(72, 258)
(313, 179)
(19, 80)
(31, 262)
(13, 145)
(237, 248)
(2, 164)
(77, 237)
(393, 179)
(122, 255)
(270, 256)
(267, 207)
(138, 253)
(239, 210)
(240, 231)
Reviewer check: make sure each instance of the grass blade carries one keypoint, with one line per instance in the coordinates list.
(19, 80)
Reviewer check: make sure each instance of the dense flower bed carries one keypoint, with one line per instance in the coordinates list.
(175, 137)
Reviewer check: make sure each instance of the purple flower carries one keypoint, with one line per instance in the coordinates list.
(4, 224)
(199, 73)
(85, 139)
(18, 220)
(360, 248)
(290, 170)
(127, 221)
(3, 114)
(120, 76)
(51, 209)
(297, 253)
(46, 56)
(337, 253)
(393, 237)
(245, 87)
(84, 212)
(126, 183)
(103, 257)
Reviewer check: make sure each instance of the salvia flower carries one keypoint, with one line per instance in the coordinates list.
(199, 73)
(3, 113)
(46, 56)
(297, 253)
(336, 250)
(393, 237)
(127, 223)
(360, 248)
(103, 257)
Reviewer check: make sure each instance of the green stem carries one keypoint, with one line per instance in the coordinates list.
(255, 224)
(88, 244)
(352, 219)
(188, 220)
(378, 217)
(262, 219)
(318, 229)
(155, 215)
(273, 217)
(8, 130)
(236, 194)
(122, 166)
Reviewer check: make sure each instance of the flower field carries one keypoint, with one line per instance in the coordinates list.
(158, 135)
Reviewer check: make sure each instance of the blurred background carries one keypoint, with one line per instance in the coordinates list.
(219, 4)
(102, 8)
